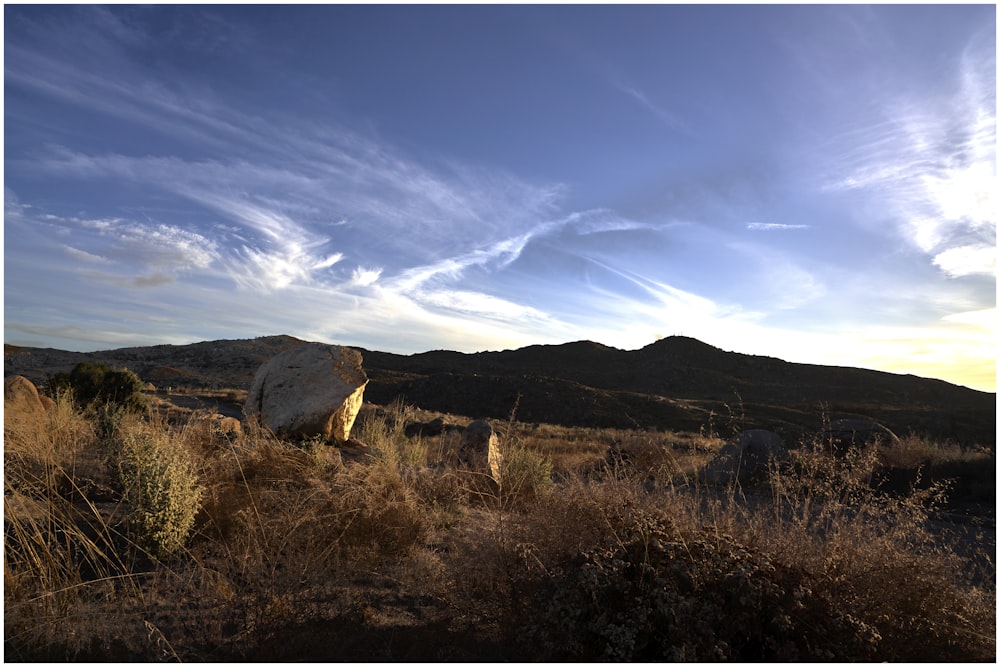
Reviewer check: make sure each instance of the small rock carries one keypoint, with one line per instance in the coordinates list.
(429, 429)
(224, 425)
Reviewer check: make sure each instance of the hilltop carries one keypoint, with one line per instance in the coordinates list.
(677, 383)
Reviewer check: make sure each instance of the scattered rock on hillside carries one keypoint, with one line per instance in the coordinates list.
(310, 390)
(480, 448)
(841, 434)
(434, 427)
(223, 424)
(746, 459)
(428, 429)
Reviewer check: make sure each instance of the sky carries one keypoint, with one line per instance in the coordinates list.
(813, 183)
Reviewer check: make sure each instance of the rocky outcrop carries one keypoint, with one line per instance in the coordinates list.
(747, 459)
(479, 448)
(310, 390)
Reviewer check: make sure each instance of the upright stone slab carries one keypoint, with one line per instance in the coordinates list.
(310, 390)
(480, 448)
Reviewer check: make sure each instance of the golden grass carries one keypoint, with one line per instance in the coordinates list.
(409, 545)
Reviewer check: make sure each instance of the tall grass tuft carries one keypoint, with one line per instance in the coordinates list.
(62, 551)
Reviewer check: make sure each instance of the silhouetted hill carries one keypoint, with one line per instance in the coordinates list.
(678, 382)
(675, 383)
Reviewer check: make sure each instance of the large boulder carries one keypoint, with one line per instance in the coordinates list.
(842, 434)
(748, 458)
(309, 390)
(21, 399)
(479, 448)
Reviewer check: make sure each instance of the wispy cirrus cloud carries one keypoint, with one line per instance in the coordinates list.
(300, 206)
(773, 226)
(402, 213)
(670, 119)
(126, 252)
(932, 163)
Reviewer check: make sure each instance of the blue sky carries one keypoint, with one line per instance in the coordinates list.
(815, 183)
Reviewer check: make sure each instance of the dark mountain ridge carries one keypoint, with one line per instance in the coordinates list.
(677, 383)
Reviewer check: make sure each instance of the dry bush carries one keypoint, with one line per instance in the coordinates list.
(872, 554)
(43, 443)
(646, 454)
(663, 593)
(919, 461)
(915, 450)
(385, 433)
(525, 472)
(815, 564)
(879, 557)
(572, 450)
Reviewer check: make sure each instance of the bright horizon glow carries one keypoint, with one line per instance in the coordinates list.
(812, 183)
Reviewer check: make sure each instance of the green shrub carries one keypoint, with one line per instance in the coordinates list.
(161, 489)
(97, 385)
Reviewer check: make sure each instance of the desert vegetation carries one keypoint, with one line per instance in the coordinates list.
(128, 537)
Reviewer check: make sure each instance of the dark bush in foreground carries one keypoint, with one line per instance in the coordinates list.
(98, 385)
(661, 597)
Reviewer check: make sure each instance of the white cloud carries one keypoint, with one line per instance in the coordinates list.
(328, 261)
(478, 304)
(84, 256)
(365, 277)
(967, 261)
(131, 253)
(773, 226)
(166, 247)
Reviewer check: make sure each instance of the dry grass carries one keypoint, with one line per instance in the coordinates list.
(407, 555)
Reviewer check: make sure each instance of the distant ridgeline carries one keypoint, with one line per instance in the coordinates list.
(676, 383)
